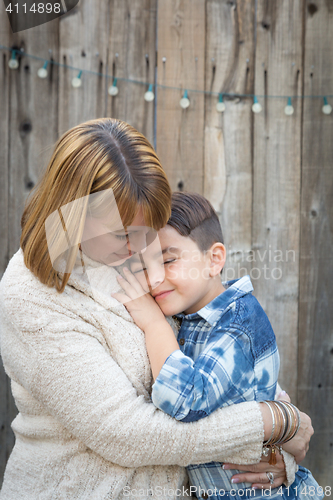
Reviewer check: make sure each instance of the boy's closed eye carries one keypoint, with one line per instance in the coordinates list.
(135, 270)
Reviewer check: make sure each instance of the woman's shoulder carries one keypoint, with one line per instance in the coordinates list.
(24, 299)
(17, 276)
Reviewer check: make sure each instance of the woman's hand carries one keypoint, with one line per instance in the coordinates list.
(141, 305)
(299, 445)
(160, 338)
(257, 474)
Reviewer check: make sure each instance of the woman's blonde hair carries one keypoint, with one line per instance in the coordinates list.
(92, 157)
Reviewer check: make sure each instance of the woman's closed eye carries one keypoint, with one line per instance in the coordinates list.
(120, 236)
(142, 269)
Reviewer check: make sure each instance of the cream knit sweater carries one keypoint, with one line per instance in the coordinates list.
(80, 377)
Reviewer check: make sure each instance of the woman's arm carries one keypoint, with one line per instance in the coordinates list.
(66, 369)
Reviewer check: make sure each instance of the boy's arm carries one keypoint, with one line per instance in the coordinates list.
(223, 374)
(160, 338)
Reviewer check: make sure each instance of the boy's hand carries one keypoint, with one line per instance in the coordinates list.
(141, 305)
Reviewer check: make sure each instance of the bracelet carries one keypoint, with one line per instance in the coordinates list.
(278, 430)
(297, 420)
(273, 424)
(284, 423)
(287, 421)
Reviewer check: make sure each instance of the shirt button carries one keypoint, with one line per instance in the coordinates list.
(181, 341)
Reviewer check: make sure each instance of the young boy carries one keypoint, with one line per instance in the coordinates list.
(226, 351)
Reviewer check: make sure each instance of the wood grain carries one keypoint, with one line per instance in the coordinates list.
(315, 333)
(277, 169)
(228, 136)
(7, 407)
(83, 38)
(132, 55)
(180, 132)
(269, 176)
(31, 127)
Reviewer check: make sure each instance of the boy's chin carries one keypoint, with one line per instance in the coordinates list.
(170, 311)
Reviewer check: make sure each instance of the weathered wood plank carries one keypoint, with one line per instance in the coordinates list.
(132, 55)
(276, 189)
(228, 136)
(33, 119)
(7, 409)
(4, 138)
(31, 127)
(180, 132)
(83, 44)
(315, 333)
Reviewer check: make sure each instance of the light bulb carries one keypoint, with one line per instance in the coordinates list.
(113, 90)
(289, 110)
(256, 107)
(327, 109)
(184, 102)
(220, 107)
(76, 82)
(13, 63)
(42, 72)
(149, 96)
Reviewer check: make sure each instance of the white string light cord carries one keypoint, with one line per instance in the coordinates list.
(149, 95)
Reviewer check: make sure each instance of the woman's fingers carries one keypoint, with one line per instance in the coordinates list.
(263, 481)
(121, 297)
(299, 445)
(257, 474)
(260, 479)
(133, 282)
(283, 396)
(129, 289)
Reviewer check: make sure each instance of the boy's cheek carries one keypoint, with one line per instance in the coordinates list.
(173, 272)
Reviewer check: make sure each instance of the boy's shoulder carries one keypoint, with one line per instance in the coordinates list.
(247, 315)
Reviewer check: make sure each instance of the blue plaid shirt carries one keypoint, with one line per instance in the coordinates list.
(228, 354)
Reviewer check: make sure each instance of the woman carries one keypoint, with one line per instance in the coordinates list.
(79, 370)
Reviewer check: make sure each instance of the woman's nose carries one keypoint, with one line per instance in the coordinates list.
(137, 242)
(156, 276)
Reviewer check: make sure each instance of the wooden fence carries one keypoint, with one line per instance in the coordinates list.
(269, 176)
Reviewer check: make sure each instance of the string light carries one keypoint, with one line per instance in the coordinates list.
(289, 110)
(184, 102)
(327, 108)
(113, 89)
(149, 95)
(256, 106)
(77, 82)
(220, 106)
(13, 62)
(42, 72)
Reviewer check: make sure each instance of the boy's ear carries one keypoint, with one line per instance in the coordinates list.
(217, 255)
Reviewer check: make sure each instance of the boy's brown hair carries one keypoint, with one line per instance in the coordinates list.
(192, 215)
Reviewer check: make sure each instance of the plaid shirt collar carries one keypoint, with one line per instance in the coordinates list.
(213, 311)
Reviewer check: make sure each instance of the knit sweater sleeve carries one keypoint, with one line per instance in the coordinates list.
(71, 374)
